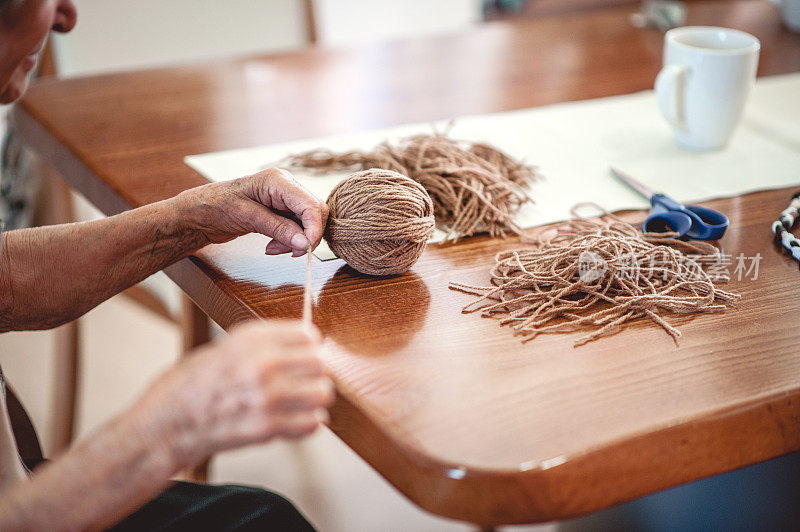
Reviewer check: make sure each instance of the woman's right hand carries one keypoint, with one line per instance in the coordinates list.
(263, 381)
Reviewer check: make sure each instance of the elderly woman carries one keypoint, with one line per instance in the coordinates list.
(264, 381)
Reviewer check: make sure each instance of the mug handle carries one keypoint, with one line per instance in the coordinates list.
(670, 91)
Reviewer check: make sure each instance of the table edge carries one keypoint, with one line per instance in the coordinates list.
(535, 495)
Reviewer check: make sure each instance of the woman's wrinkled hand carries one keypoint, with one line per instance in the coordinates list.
(263, 381)
(270, 202)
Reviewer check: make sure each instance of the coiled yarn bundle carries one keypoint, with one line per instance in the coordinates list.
(475, 188)
(547, 289)
(379, 221)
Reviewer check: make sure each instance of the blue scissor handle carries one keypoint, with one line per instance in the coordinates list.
(691, 221)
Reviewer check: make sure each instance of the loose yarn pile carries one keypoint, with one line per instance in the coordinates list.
(548, 289)
(475, 188)
(379, 221)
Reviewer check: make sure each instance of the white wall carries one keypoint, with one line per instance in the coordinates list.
(349, 21)
(126, 34)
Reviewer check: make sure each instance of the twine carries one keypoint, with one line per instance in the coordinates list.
(547, 289)
(307, 317)
(379, 221)
(475, 188)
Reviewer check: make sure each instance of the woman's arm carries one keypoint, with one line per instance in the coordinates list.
(106, 476)
(52, 275)
(261, 382)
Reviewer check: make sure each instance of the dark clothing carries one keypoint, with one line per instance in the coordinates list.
(189, 506)
(199, 507)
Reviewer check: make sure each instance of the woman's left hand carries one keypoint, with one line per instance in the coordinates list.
(270, 202)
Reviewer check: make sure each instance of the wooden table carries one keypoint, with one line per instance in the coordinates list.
(453, 410)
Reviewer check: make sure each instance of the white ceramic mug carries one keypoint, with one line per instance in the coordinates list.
(702, 89)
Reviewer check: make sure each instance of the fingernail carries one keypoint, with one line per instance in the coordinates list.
(323, 416)
(299, 241)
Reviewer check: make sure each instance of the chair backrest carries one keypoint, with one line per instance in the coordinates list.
(24, 432)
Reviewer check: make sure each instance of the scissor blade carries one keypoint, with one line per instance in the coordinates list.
(636, 185)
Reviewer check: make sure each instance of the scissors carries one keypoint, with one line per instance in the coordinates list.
(689, 221)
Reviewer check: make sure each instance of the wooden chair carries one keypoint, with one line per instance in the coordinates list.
(24, 432)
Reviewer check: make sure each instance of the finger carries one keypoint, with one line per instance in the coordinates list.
(287, 193)
(276, 338)
(291, 216)
(282, 229)
(288, 214)
(323, 416)
(308, 396)
(293, 332)
(297, 425)
(276, 248)
(296, 366)
(314, 219)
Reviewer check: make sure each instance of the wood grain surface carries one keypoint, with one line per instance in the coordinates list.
(452, 409)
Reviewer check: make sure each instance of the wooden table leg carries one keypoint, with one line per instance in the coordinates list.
(65, 392)
(195, 331)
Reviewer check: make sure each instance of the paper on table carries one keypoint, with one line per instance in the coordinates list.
(574, 143)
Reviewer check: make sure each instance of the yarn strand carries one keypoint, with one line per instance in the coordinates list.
(597, 277)
(307, 307)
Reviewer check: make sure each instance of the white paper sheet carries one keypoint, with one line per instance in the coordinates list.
(573, 145)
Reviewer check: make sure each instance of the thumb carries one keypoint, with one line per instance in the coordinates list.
(287, 232)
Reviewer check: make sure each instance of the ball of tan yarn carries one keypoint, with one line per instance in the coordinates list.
(379, 221)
